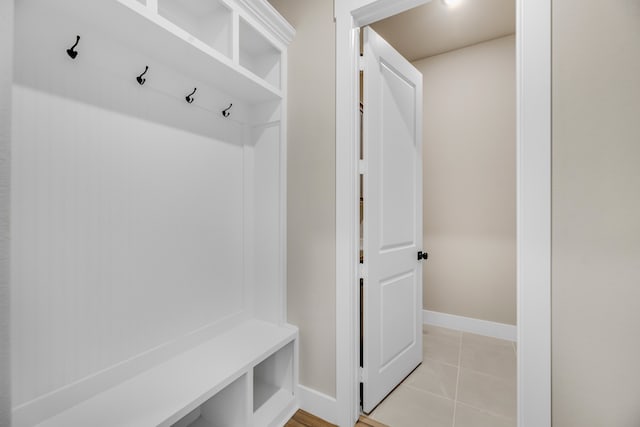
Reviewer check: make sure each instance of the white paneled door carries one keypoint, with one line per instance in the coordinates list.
(392, 132)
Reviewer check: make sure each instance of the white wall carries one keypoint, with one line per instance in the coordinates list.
(6, 78)
(469, 181)
(311, 188)
(596, 213)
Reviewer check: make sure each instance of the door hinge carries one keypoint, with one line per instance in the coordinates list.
(362, 167)
(362, 375)
(361, 271)
(361, 63)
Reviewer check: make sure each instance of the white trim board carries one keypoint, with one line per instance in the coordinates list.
(6, 80)
(468, 324)
(318, 404)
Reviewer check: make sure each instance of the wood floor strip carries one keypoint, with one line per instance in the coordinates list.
(305, 419)
(368, 422)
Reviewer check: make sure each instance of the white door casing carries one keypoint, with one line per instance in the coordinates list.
(392, 135)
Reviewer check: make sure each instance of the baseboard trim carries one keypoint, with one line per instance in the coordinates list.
(468, 324)
(318, 404)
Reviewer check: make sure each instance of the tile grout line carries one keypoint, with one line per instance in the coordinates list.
(488, 412)
(432, 393)
(455, 399)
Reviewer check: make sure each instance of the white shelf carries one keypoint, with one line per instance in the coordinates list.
(258, 55)
(166, 393)
(262, 392)
(273, 407)
(138, 27)
(209, 21)
(273, 386)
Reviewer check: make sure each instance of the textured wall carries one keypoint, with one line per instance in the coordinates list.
(469, 181)
(596, 213)
(6, 70)
(311, 188)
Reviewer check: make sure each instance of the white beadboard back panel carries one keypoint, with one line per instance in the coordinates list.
(126, 235)
(126, 207)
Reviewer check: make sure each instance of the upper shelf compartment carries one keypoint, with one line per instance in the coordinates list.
(258, 55)
(194, 37)
(209, 21)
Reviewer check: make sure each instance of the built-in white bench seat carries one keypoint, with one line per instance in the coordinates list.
(243, 377)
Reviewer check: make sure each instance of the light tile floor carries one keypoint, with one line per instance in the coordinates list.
(465, 380)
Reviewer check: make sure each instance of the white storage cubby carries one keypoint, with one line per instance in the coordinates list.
(259, 55)
(209, 21)
(228, 408)
(149, 233)
(273, 384)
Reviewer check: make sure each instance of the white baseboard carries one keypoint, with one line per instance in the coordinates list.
(318, 404)
(468, 324)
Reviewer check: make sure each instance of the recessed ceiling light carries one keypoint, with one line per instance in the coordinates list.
(451, 3)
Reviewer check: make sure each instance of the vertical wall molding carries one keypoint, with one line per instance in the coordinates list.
(6, 81)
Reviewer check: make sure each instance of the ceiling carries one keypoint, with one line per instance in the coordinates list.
(436, 28)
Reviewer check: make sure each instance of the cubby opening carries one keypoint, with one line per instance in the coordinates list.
(258, 55)
(273, 384)
(228, 408)
(209, 21)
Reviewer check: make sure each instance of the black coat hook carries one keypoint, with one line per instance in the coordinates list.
(71, 51)
(189, 97)
(140, 79)
(225, 112)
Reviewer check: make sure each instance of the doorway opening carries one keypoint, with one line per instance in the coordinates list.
(533, 106)
(467, 220)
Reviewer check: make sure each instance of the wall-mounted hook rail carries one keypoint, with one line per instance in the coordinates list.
(140, 78)
(225, 112)
(189, 97)
(71, 51)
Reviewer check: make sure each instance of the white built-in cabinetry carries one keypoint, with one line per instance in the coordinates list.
(148, 232)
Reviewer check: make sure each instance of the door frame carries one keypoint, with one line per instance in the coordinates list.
(533, 173)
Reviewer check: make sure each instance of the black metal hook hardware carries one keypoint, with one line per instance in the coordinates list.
(140, 79)
(225, 112)
(71, 51)
(189, 97)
